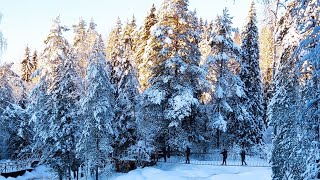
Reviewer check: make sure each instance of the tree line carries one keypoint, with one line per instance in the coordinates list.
(176, 80)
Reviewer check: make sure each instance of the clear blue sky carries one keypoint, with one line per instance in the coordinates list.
(27, 22)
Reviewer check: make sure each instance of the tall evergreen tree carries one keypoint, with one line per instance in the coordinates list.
(80, 46)
(226, 112)
(284, 115)
(126, 92)
(6, 98)
(34, 60)
(113, 42)
(26, 66)
(98, 110)
(58, 117)
(307, 13)
(175, 77)
(142, 63)
(251, 76)
(114, 52)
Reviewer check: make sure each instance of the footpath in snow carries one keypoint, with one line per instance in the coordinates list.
(166, 171)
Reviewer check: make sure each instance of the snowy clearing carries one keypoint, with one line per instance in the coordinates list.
(166, 171)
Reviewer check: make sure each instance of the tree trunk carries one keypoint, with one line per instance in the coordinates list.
(218, 138)
(97, 173)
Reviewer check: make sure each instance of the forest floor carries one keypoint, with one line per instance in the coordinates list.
(170, 171)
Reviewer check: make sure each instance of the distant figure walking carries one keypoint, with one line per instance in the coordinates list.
(188, 155)
(224, 156)
(243, 157)
(164, 151)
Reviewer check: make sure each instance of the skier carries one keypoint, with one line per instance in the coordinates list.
(243, 157)
(188, 155)
(224, 156)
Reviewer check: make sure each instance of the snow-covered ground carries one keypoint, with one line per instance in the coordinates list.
(202, 172)
(40, 173)
(168, 171)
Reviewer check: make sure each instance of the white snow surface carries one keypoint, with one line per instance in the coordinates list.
(196, 172)
(168, 171)
(39, 173)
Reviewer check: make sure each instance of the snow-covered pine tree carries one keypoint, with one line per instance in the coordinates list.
(204, 44)
(57, 117)
(170, 103)
(26, 66)
(285, 105)
(91, 36)
(34, 60)
(64, 92)
(142, 62)
(18, 130)
(251, 76)
(80, 46)
(114, 51)
(83, 42)
(126, 93)
(97, 107)
(225, 111)
(307, 13)
(6, 98)
(16, 133)
(128, 38)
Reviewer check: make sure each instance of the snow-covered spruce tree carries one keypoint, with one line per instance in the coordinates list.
(226, 112)
(6, 98)
(126, 93)
(204, 44)
(83, 41)
(34, 60)
(128, 38)
(307, 13)
(142, 62)
(284, 109)
(80, 46)
(113, 42)
(26, 66)
(251, 76)
(91, 35)
(64, 94)
(19, 132)
(97, 107)
(114, 51)
(6, 91)
(286, 161)
(58, 117)
(16, 133)
(170, 103)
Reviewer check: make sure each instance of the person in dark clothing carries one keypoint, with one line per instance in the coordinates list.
(243, 157)
(164, 151)
(168, 152)
(188, 155)
(224, 156)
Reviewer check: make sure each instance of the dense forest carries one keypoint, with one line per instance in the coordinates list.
(177, 80)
